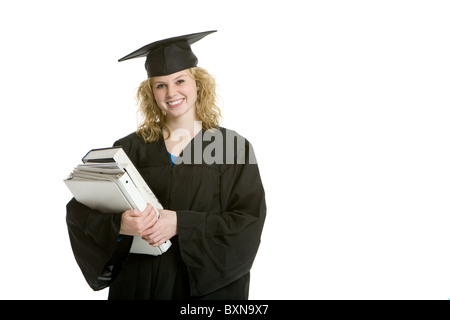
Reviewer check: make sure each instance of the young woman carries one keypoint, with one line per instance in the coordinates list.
(206, 178)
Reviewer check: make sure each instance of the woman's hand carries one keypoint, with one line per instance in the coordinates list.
(134, 222)
(164, 229)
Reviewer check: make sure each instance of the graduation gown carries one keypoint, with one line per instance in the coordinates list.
(216, 191)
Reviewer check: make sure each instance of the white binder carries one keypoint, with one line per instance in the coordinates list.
(109, 182)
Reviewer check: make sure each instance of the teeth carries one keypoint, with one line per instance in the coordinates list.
(172, 103)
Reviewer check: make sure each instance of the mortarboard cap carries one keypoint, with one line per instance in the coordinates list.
(168, 56)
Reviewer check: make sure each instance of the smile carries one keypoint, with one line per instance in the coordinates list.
(175, 103)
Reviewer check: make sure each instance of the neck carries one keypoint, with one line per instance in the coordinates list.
(188, 124)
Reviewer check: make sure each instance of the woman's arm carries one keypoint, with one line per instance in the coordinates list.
(219, 248)
(93, 237)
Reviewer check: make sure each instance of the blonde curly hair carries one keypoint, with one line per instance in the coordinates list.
(154, 120)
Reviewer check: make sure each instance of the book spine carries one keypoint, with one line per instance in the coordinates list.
(121, 158)
(131, 193)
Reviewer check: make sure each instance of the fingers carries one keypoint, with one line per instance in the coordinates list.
(149, 219)
(156, 238)
(132, 213)
(136, 213)
(157, 244)
(151, 231)
(135, 222)
(154, 233)
(147, 209)
(162, 230)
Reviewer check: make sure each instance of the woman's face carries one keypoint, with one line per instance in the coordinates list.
(176, 94)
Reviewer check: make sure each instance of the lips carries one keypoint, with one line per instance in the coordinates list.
(175, 103)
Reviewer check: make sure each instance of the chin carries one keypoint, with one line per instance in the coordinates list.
(179, 112)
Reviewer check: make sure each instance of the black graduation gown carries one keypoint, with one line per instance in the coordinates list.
(220, 215)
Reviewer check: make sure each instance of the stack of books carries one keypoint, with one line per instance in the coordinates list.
(108, 181)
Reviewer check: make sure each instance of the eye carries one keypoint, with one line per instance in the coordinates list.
(180, 81)
(161, 85)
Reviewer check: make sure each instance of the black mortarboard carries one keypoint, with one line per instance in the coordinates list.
(168, 56)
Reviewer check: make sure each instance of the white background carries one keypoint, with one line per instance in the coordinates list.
(346, 104)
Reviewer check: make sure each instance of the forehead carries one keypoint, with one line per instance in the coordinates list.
(170, 77)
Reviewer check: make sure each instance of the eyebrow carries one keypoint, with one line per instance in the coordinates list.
(163, 82)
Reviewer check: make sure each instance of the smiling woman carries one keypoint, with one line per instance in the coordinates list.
(152, 98)
(176, 95)
(214, 206)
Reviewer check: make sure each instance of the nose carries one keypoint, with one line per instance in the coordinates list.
(171, 91)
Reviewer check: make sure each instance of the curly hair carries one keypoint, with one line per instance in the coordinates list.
(154, 120)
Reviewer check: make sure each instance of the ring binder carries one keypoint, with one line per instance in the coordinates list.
(108, 181)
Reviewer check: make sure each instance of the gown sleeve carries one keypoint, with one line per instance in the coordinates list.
(220, 248)
(94, 239)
